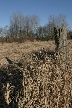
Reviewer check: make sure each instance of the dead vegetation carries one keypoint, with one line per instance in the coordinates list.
(31, 76)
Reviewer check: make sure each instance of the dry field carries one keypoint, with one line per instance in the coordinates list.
(15, 51)
(31, 76)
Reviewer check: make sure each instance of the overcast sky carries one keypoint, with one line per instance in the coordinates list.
(42, 8)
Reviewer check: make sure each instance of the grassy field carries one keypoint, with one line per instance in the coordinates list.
(16, 50)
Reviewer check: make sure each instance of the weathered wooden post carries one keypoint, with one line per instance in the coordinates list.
(56, 35)
(63, 46)
(61, 43)
(64, 55)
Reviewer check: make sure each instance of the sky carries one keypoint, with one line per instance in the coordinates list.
(41, 8)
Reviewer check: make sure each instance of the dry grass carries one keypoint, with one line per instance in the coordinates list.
(40, 82)
(16, 50)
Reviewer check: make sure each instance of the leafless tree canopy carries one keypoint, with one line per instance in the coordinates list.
(21, 26)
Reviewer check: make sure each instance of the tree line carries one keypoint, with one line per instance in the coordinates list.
(28, 27)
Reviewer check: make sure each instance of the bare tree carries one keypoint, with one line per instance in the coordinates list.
(1, 30)
(17, 24)
(58, 20)
(34, 23)
(14, 25)
(61, 19)
(27, 25)
(40, 32)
